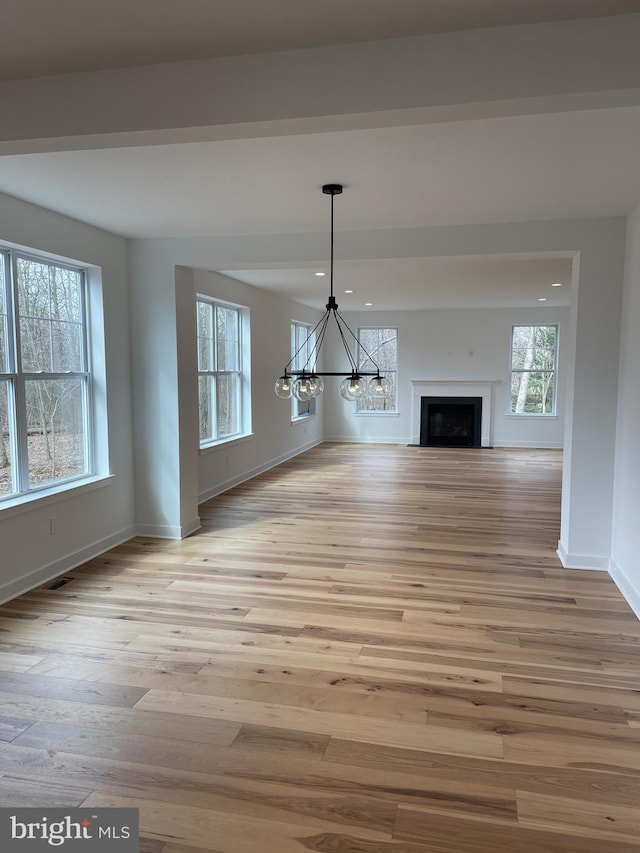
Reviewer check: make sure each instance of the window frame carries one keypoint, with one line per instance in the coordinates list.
(554, 371)
(242, 395)
(301, 409)
(16, 378)
(362, 359)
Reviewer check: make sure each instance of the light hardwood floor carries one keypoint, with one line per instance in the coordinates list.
(371, 649)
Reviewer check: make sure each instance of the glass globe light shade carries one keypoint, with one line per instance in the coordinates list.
(358, 386)
(353, 387)
(317, 385)
(379, 386)
(344, 390)
(303, 388)
(283, 387)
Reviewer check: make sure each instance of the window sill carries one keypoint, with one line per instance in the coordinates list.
(525, 416)
(302, 418)
(377, 414)
(225, 442)
(52, 495)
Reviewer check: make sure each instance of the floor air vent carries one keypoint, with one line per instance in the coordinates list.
(58, 583)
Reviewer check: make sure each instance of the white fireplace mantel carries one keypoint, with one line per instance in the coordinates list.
(453, 388)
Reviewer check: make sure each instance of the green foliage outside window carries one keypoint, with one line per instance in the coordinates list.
(533, 369)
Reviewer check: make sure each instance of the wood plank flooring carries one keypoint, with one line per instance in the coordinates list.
(370, 649)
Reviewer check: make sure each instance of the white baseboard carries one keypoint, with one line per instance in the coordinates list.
(528, 445)
(168, 531)
(626, 587)
(188, 529)
(53, 570)
(219, 488)
(581, 561)
(350, 439)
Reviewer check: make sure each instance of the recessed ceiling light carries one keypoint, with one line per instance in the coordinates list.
(320, 273)
(348, 291)
(542, 299)
(368, 304)
(557, 284)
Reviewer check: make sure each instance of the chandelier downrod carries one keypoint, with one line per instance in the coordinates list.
(307, 382)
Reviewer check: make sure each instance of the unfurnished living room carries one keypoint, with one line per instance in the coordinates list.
(319, 406)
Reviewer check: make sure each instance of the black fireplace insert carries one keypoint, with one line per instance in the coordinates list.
(451, 421)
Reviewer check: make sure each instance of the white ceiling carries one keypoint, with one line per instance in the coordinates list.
(521, 168)
(477, 282)
(44, 37)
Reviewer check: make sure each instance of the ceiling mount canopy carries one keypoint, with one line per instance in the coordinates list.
(301, 378)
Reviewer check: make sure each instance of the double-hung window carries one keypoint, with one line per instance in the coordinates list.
(534, 351)
(45, 381)
(382, 345)
(303, 344)
(222, 371)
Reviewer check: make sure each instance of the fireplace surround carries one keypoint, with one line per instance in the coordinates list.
(483, 389)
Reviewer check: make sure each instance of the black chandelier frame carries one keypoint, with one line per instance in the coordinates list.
(320, 329)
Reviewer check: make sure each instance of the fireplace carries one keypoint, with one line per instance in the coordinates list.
(451, 421)
(457, 389)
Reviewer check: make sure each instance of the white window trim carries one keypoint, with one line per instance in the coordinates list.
(385, 413)
(529, 415)
(225, 442)
(244, 374)
(303, 416)
(96, 449)
(48, 497)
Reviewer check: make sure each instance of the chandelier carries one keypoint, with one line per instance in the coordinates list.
(306, 383)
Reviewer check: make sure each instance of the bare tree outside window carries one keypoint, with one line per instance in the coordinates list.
(45, 387)
(303, 344)
(533, 369)
(219, 370)
(6, 478)
(5, 437)
(382, 345)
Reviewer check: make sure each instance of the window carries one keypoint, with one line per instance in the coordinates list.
(302, 357)
(382, 345)
(222, 371)
(45, 383)
(533, 370)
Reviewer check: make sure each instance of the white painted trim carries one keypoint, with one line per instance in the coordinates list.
(349, 439)
(453, 388)
(61, 492)
(381, 414)
(188, 529)
(254, 472)
(529, 445)
(53, 570)
(581, 561)
(561, 551)
(224, 443)
(167, 531)
(626, 587)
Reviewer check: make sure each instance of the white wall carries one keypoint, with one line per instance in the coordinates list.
(164, 468)
(457, 345)
(275, 437)
(625, 548)
(91, 518)
(172, 476)
(169, 474)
